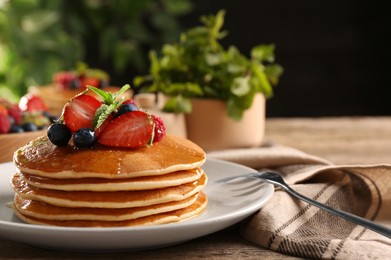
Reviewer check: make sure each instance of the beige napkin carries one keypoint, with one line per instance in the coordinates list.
(293, 227)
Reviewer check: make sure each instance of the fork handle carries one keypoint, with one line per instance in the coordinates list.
(348, 216)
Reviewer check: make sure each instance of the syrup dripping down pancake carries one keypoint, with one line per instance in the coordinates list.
(108, 199)
(42, 210)
(41, 157)
(100, 184)
(173, 216)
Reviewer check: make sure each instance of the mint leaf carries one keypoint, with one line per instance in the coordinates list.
(110, 104)
(121, 91)
(102, 113)
(106, 96)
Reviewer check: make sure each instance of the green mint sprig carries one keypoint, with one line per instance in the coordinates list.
(109, 105)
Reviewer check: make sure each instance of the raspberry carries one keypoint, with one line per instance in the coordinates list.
(160, 128)
(5, 124)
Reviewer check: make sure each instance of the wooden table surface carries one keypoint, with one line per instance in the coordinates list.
(340, 140)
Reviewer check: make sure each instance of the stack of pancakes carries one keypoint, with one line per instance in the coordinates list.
(109, 187)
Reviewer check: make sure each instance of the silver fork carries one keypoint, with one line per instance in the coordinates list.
(276, 179)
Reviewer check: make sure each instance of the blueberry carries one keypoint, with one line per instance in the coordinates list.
(16, 129)
(123, 109)
(84, 137)
(29, 127)
(59, 134)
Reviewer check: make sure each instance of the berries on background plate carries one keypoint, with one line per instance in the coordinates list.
(59, 134)
(80, 111)
(3, 110)
(30, 102)
(89, 81)
(16, 113)
(84, 138)
(64, 79)
(5, 124)
(16, 129)
(32, 119)
(29, 127)
(131, 130)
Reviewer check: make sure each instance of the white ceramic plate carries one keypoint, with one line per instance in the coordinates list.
(228, 204)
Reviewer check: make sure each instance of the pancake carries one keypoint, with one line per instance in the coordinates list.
(108, 199)
(46, 211)
(162, 218)
(100, 184)
(109, 186)
(40, 157)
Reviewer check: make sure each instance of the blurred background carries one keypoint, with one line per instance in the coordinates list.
(335, 54)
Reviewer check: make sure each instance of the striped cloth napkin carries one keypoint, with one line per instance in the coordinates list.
(295, 228)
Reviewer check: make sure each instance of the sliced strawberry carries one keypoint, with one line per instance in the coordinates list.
(30, 102)
(80, 111)
(130, 130)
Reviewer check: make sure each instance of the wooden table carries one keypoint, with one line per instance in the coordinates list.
(340, 140)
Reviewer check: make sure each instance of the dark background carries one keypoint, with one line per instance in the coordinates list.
(335, 54)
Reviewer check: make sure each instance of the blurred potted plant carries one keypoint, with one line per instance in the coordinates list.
(221, 91)
(39, 38)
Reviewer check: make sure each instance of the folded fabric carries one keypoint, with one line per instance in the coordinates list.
(293, 227)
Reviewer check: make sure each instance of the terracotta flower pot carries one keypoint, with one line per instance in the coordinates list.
(210, 127)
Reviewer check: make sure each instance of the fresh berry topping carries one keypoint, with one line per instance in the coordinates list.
(84, 137)
(30, 102)
(159, 129)
(129, 101)
(80, 111)
(131, 130)
(5, 124)
(59, 134)
(125, 108)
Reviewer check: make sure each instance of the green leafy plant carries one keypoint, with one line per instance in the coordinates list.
(40, 37)
(198, 66)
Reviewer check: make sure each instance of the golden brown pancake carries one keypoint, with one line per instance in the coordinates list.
(41, 157)
(108, 187)
(101, 184)
(46, 211)
(173, 216)
(108, 199)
